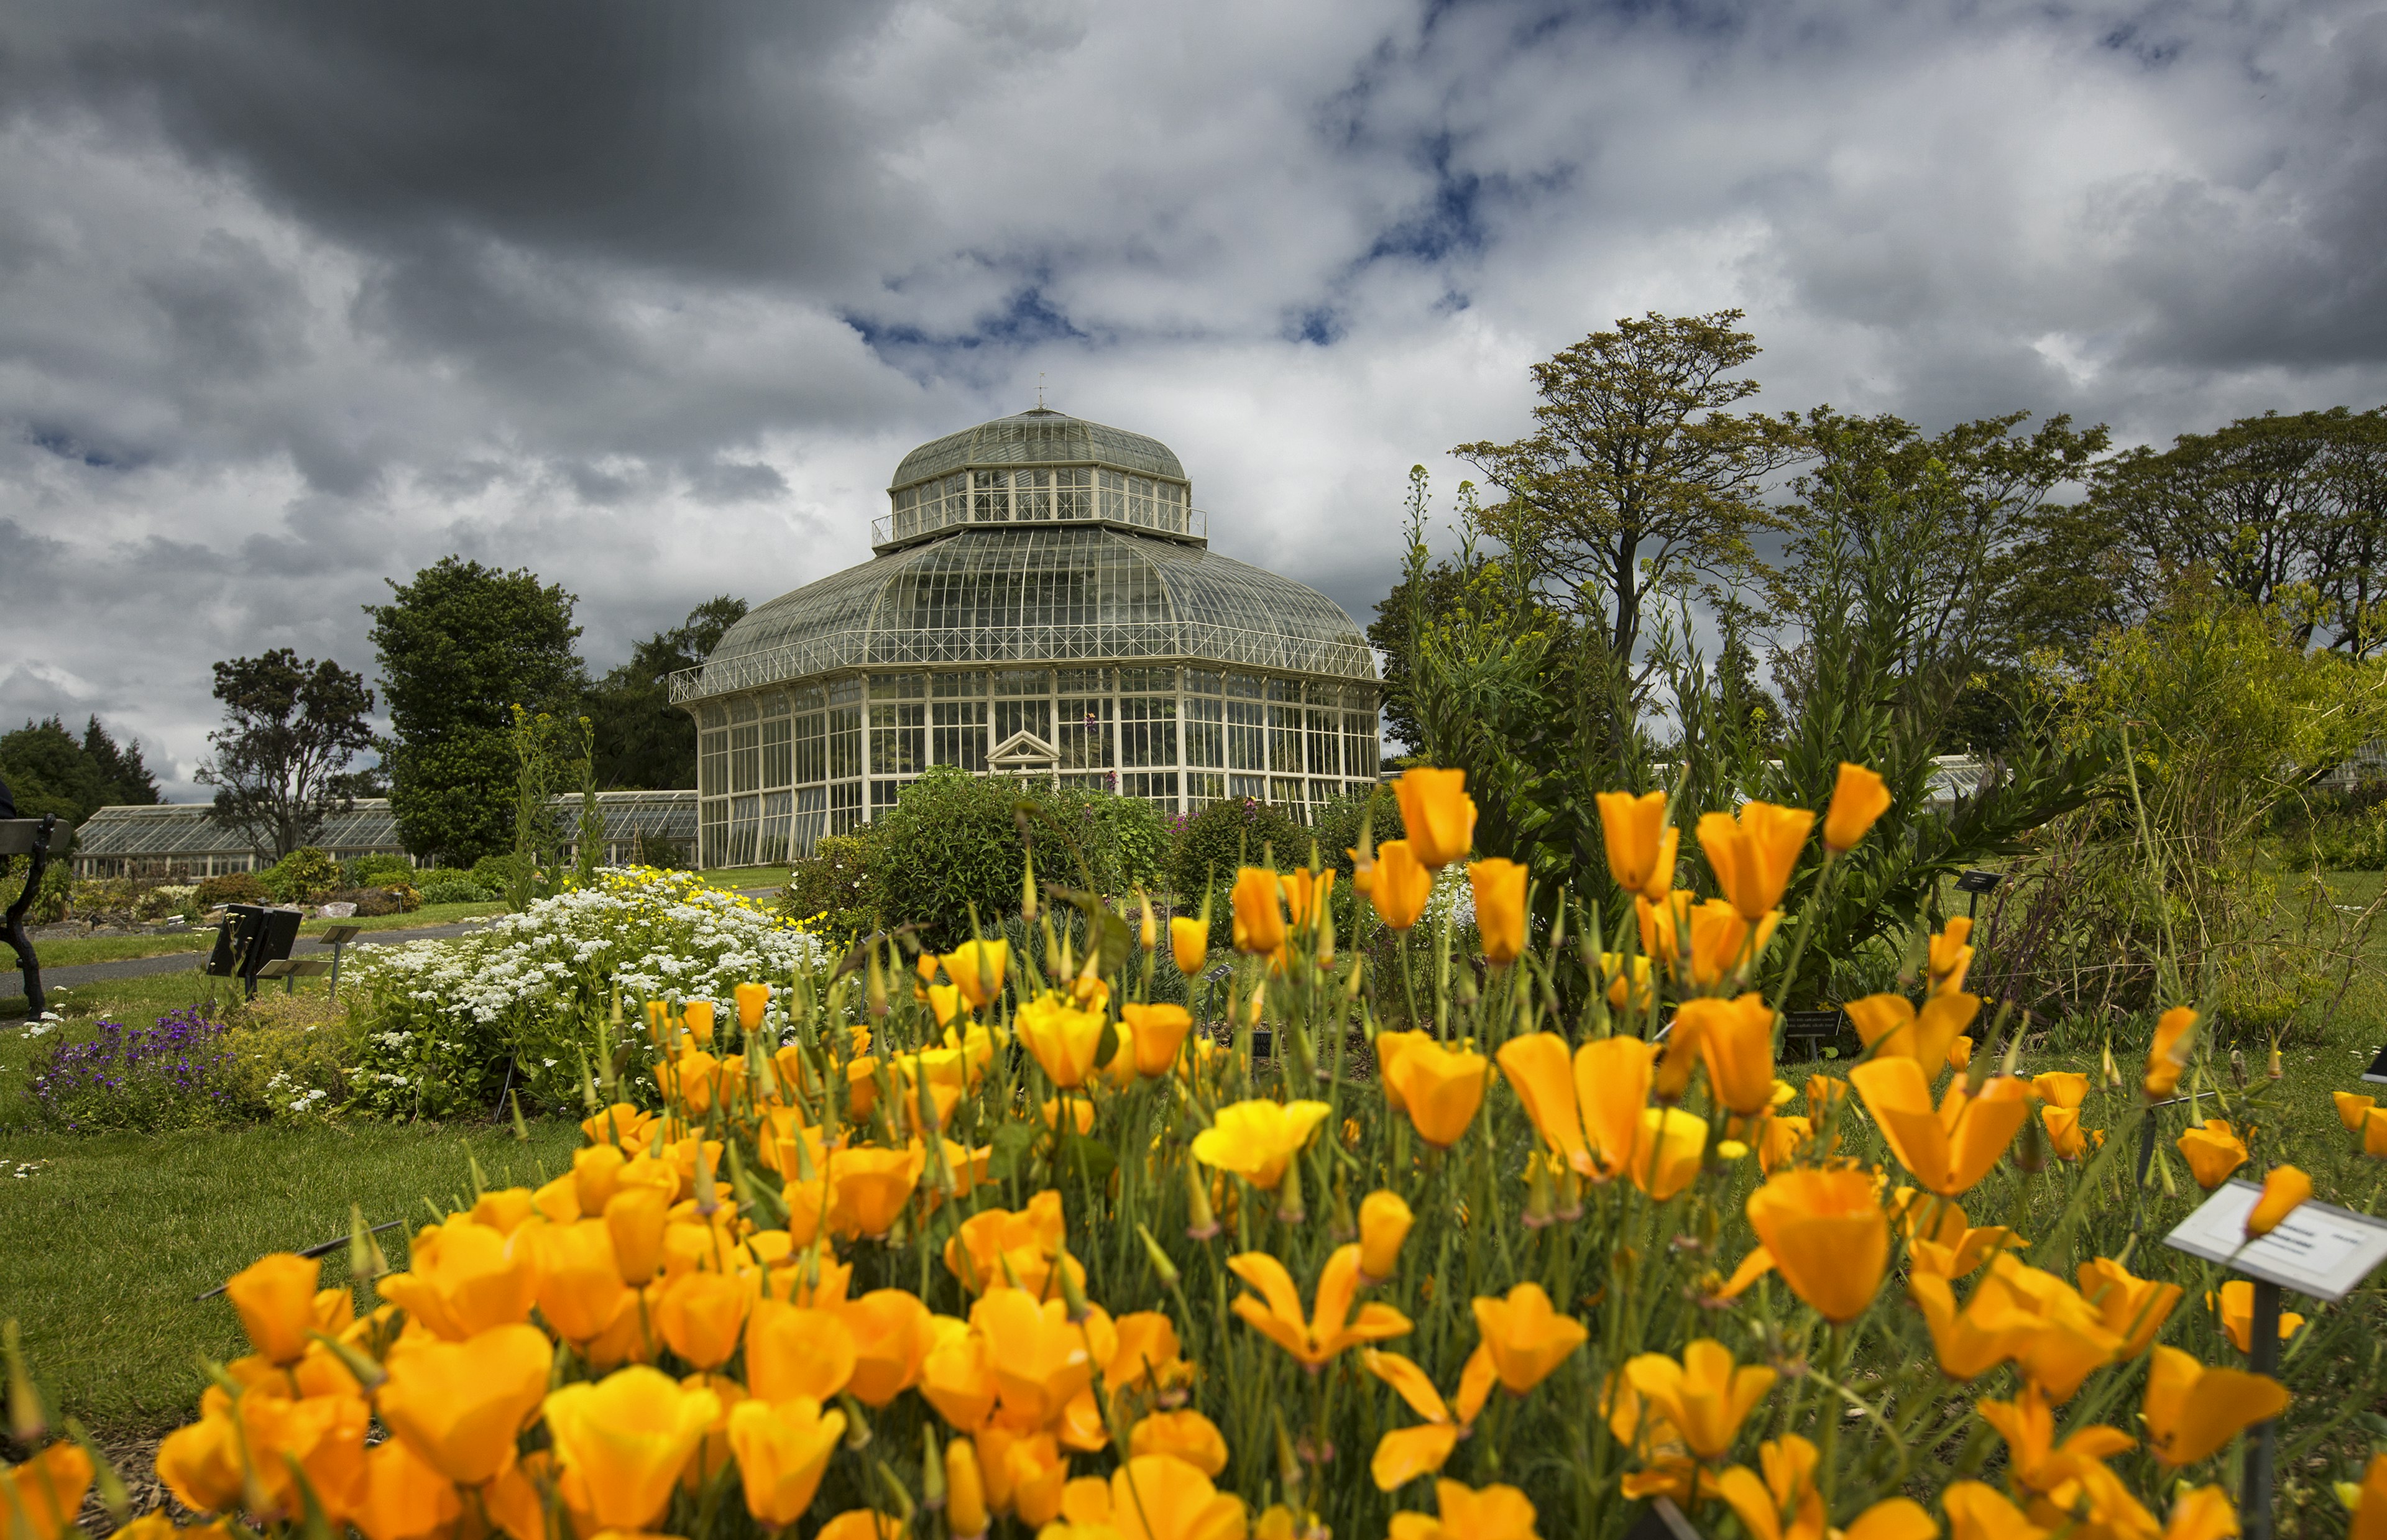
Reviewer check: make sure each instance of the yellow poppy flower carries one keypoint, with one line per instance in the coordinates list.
(1752, 855)
(2235, 1305)
(1736, 1038)
(1640, 842)
(1257, 1139)
(1667, 1144)
(2191, 1411)
(2284, 1189)
(2133, 1309)
(465, 1277)
(1259, 900)
(976, 969)
(1384, 1220)
(783, 1450)
(1439, 1088)
(1157, 1032)
(1315, 1340)
(1705, 1395)
(2211, 1152)
(459, 1405)
(1889, 1025)
(1187, 1434)
(1525, 1337)
(1494, 1512)
(1189, 944)
(752, 1001)
(278, 1304)
(1858, 798)
(1952, 1148)
(1500, 919)
(2168, 1055)
(1723, 945)
(1827, 1235)
(1437, 815)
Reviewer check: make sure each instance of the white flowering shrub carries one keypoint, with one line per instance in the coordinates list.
(447, 1025)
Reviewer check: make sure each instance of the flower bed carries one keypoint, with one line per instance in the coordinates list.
(451, 1024)
(991, 1243)
(177, 1073)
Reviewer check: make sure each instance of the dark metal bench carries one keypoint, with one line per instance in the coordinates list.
(1817, 1029)
(252, 935)
(28, 836)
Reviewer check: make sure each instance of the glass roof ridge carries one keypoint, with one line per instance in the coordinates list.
(1037, 436)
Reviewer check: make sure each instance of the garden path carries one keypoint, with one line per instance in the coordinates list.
(12, 984)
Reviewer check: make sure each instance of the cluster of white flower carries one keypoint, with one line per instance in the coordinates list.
(529, 988)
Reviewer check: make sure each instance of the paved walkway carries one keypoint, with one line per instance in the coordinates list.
(12, 983)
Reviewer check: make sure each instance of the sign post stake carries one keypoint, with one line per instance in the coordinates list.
(2255, 1501)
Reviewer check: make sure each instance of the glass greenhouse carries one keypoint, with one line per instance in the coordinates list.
(1043, 602)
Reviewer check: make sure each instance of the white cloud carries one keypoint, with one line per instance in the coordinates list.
(654, 306)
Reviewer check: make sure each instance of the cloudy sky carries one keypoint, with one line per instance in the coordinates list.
(296, 298)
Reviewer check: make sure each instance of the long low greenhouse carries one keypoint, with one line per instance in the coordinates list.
(182, 841)
(1042, 602)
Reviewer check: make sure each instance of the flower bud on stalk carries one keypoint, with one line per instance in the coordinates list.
(877, 988)
(27, 1422)
(1162, 1267)
(965, 1515)
(933, 1471)
(1073, 1287)
(2279, 1072)
(2238, 1068)
(1540, 1207)
(1289, 1208)
(1201, 1223)
(2030, 1150)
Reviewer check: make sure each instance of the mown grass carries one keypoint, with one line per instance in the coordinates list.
(107, 1238)
(65, 951)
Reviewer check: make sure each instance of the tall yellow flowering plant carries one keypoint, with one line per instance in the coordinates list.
(1001, 1243)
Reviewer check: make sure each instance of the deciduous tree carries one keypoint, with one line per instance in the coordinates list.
(460, 647)
(280, 765)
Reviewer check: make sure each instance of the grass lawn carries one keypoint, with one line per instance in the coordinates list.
(109, 1237)
(738, 878)
(65, 951)
(430, 914)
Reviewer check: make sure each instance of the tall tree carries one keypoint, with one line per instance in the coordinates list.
(51, 772)
(1637, 478)
(291, 728)
(643, 742)
(460, 647)
(1955, 519)
(2266, 504)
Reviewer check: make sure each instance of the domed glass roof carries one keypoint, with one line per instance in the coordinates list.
(1039, 436)
(998, 595)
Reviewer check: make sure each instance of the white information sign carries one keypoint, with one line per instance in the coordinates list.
(2320, 1249)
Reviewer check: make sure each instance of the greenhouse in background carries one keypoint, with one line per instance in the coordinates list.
(1042, 602)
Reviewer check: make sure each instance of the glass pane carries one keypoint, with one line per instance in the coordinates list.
(1024, 681)
(1205, 740)
(1084, 733)
(991, 496)
(1016, 716)
(957, 734)
(1247, 737)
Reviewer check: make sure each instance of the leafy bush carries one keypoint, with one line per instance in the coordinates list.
(377, 871)
(953, 842)
(454, 884)
(1214, 841)
(302, 876)
(829, 890)
(51, 902)
(176, 1074)
(447, 1024)
(232, 888)
(288, 1058)
(371, 902)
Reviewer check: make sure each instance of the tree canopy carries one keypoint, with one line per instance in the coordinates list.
(291, 729)
(48, 770)
(643, 743)
(460, 647)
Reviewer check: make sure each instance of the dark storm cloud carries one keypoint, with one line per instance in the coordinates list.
(296, 299)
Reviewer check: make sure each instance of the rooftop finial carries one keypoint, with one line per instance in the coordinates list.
(1039, 390)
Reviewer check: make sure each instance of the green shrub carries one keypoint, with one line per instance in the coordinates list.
(1335, 824)
(829, 890)
(377, 871)
(454, 885)
(231, 887)
(288, 1058)
(302, 876)
(54, 898)
(1211, 844)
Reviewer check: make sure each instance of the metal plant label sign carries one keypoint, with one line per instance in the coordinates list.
(2320, 1249)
